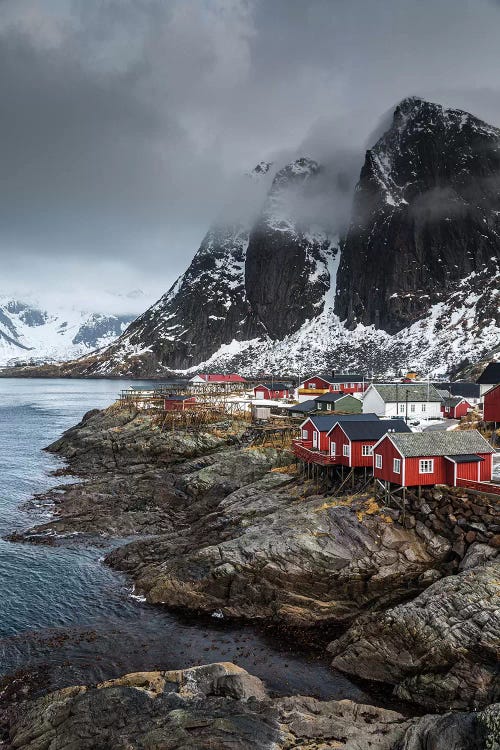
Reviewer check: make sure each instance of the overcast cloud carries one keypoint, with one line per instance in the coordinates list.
(126, 124)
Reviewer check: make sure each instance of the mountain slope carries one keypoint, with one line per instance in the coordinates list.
(413, 282)
(246, 282)
(426, 216)
(30, 334)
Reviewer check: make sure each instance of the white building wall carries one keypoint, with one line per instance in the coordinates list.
(373, 403)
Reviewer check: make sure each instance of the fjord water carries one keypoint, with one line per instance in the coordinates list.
(68, 617)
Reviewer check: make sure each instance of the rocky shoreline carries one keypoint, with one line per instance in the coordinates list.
(225, 529)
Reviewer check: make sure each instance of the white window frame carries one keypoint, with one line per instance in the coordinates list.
(378, 460)
(312, 386)
(328, 407)
(346, 450)
(333, 448)
(305, 434)
(426, 466)
(396, 465)
(447, 409)
(367, 450)
(423, 407)
(413, 408)
(401, 408)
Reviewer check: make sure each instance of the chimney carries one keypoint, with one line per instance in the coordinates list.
(333, 373)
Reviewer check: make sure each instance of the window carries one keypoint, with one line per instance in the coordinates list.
(333, 449)
(311, 385)
(447, 408)
(328, 407)
(423, 407)
(412, 408)
(346, 450)
(304, 435)
(396, 465)
(378, 460)
(367, 450)
(426, 466)
(401, 408)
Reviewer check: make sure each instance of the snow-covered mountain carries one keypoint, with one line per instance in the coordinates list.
(31, 334)
(413, 281)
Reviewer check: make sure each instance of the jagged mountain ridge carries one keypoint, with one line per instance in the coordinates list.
(428, 198)
(31, 334)
(246, 282)
(414, 281)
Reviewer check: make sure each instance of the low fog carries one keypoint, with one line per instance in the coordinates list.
(128, 125)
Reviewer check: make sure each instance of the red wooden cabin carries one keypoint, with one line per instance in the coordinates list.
(428, 458)
(455, 407)
(492, 405)
(176, 402)
(352, 442)
(316, 428)
(346, 383)
(270, 391)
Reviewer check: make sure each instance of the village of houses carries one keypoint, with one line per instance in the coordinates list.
(408, 433)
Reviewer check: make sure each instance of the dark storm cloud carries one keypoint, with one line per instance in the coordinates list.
(126, 124)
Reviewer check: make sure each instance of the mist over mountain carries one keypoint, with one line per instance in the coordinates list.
(410, 279)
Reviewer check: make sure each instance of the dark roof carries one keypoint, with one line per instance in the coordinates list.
(490, 375)
(333, 396)
(437, 443)
(176, 397)
(305, 407)
(274, 386)
(347, 377)
(372, 430)
(452, 401)
(325, 422)
(393, 392)
(465, 458)
(466, 390)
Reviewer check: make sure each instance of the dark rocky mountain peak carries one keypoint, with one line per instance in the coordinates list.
(426, 216)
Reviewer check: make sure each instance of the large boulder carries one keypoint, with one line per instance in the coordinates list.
(441, 649)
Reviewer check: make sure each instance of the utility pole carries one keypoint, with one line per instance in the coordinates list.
(406, 405)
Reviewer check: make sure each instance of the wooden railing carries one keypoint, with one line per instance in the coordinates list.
(303, 450)
(470, 484)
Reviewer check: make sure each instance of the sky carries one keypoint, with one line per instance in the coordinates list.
(126, 125)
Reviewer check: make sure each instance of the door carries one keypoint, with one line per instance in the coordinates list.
(315, 439)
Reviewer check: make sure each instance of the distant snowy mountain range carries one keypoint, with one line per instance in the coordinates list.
(413, 280)
(31, 334)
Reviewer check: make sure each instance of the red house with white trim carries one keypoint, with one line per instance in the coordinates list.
(314, 434)
(270, 391)
(352, 442)
(428, 458)
(317, 385)
(176, 402)
(492, 404)
(455, 407)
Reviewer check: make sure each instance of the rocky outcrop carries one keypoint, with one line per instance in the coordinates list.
(425, 218)
(222, 706)
(441, 649)
(266, 553)
(134, 480)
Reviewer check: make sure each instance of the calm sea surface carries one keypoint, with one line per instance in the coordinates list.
(66, 615)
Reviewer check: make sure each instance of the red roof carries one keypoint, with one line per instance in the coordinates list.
(209, 378)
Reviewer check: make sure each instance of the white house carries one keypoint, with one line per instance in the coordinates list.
(406, 400)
